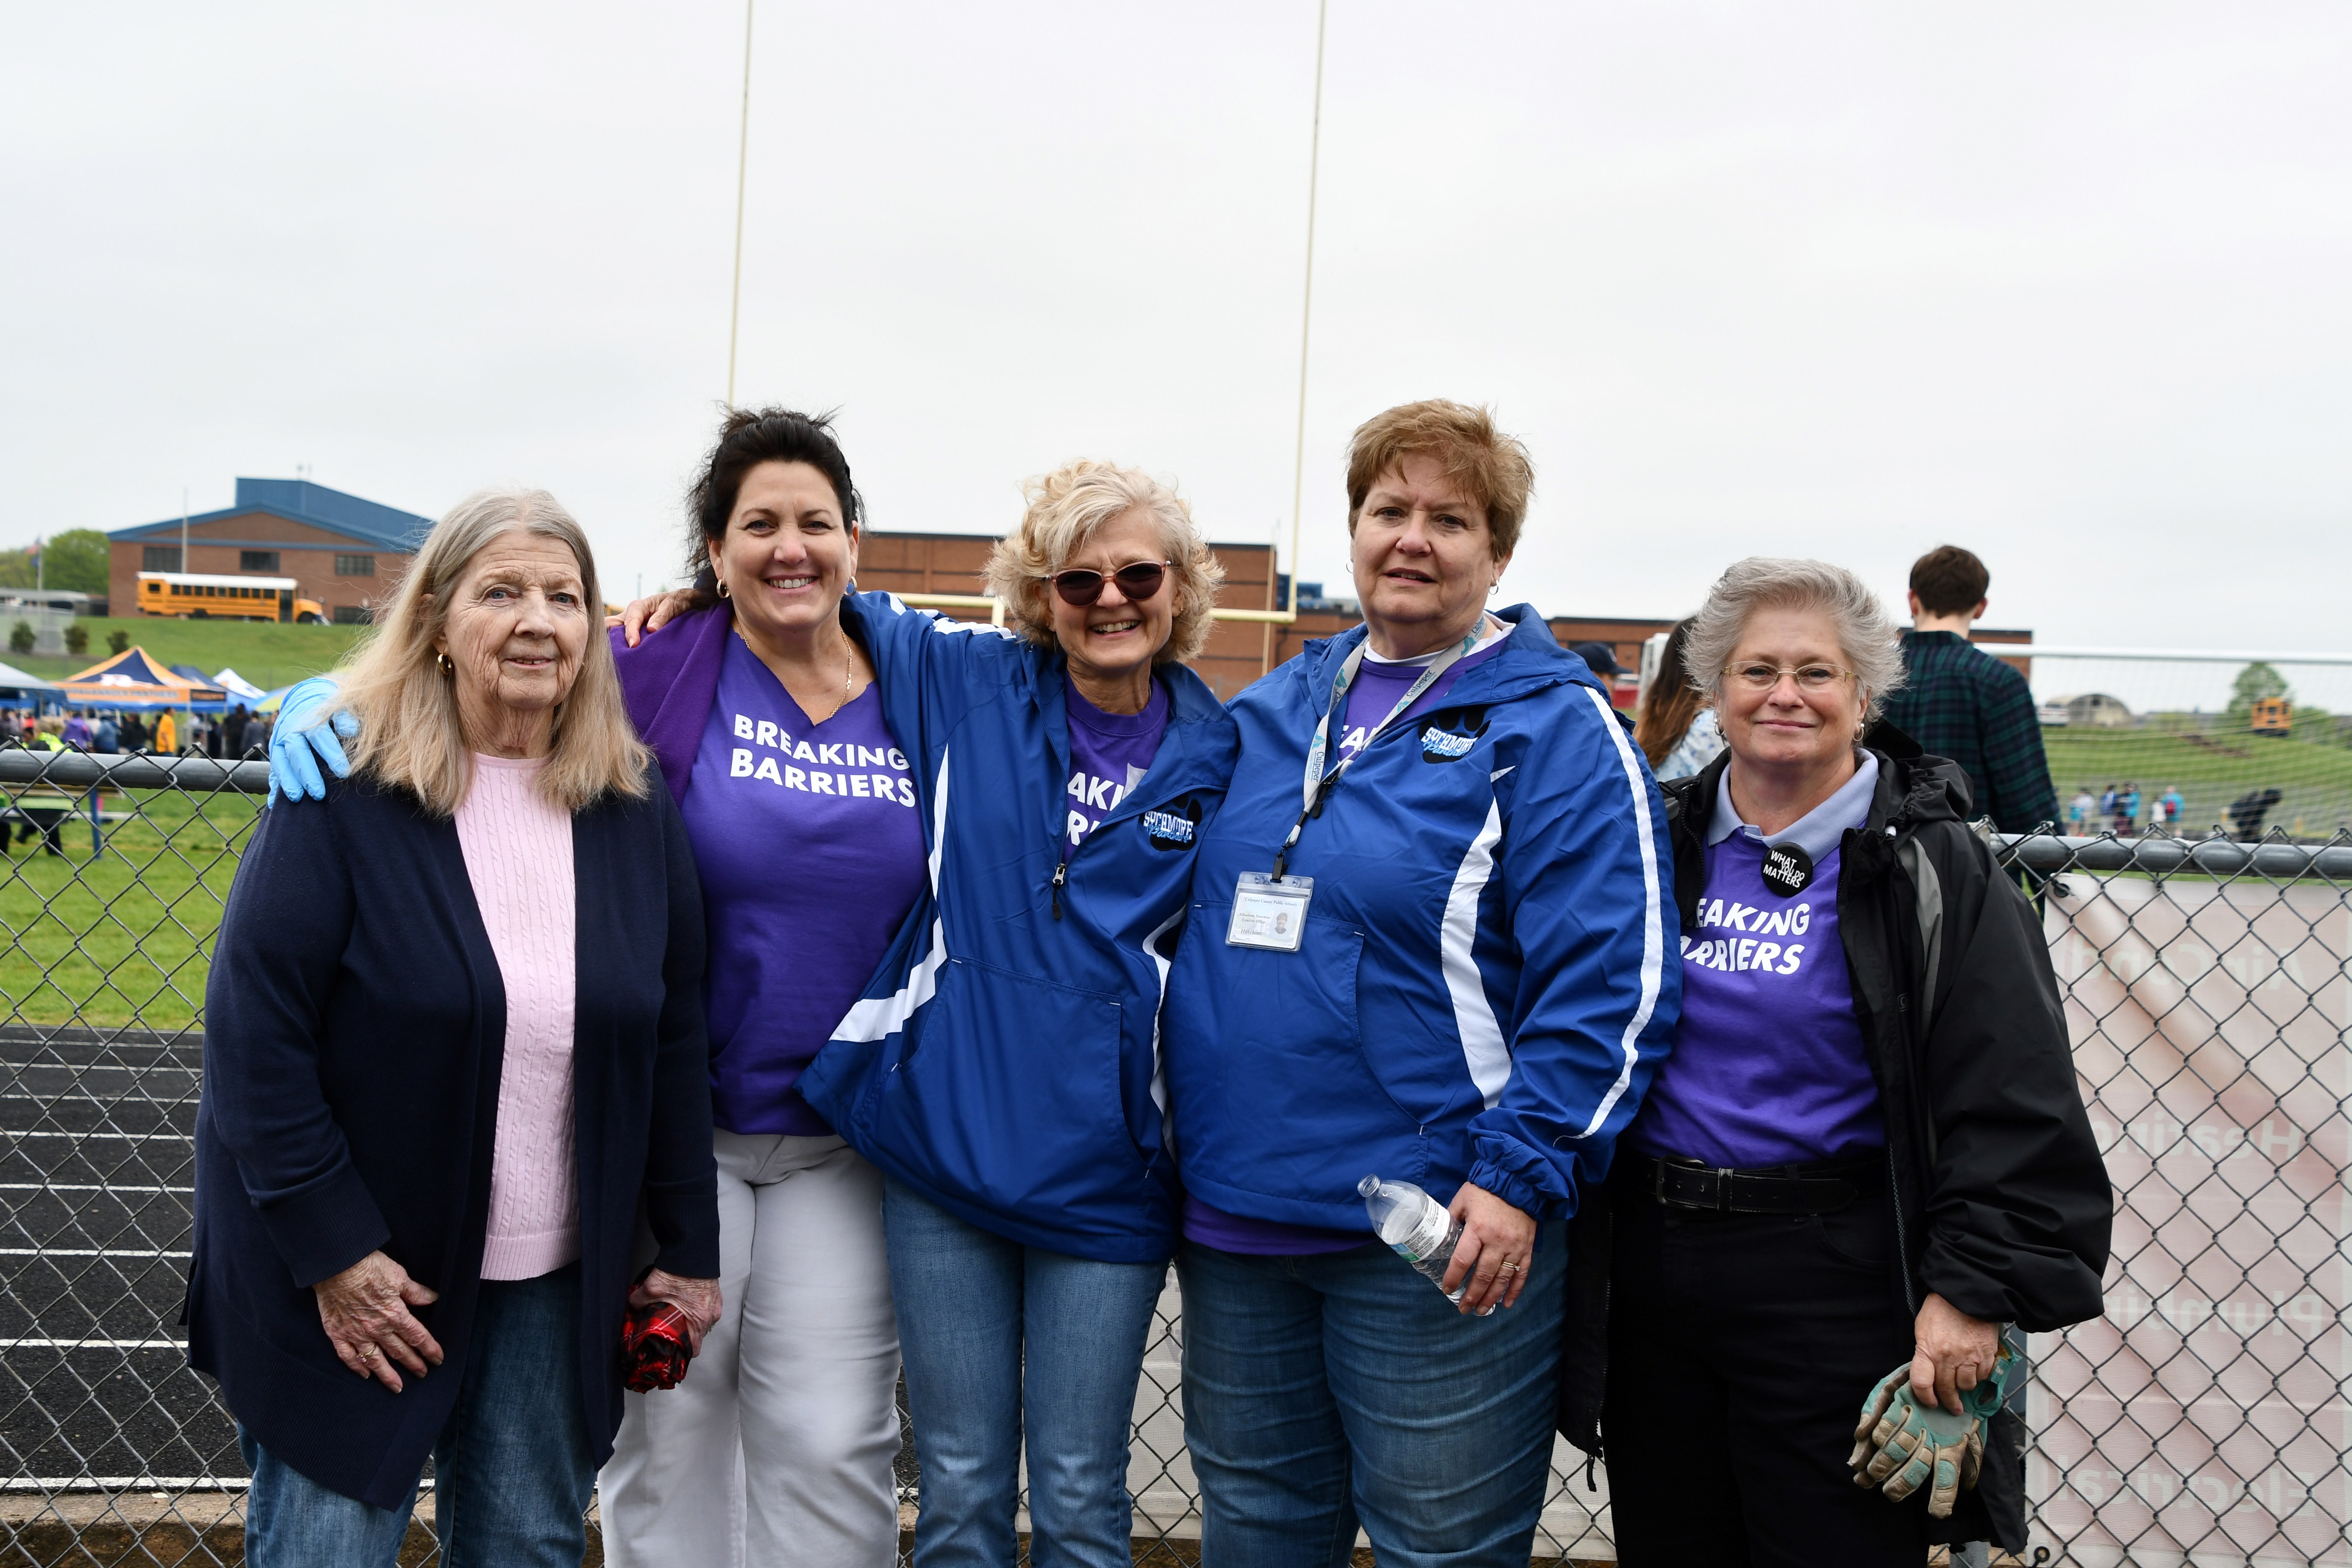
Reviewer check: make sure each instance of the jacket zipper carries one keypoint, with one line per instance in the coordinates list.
(1060, 875)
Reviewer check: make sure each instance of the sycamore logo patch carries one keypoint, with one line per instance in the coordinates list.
(1451, 735)
(1175, 826)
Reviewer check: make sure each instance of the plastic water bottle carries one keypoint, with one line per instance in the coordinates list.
(1417, 1228)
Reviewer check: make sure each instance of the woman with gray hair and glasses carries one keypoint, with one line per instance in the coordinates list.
(1867, 1151)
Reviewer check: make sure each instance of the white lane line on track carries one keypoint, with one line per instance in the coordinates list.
(93, 1344)
(90, 1252)
(83, 1187)
(175, 1134)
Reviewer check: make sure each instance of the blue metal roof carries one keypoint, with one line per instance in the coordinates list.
(300, 500)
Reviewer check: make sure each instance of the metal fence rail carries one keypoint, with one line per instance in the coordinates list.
(2204, 1419)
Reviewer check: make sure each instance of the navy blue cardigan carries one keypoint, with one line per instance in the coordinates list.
(356, 1025)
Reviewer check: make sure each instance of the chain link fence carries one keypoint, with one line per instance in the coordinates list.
(2207, 1419)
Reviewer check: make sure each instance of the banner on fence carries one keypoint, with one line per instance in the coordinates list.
(2204, 1419)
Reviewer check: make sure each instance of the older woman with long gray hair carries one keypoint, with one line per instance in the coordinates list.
(454, 1046)
(1866, 1151)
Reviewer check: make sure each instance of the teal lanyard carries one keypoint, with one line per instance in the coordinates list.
(1316, 787)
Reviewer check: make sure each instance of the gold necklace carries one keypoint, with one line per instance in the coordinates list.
(848, 672)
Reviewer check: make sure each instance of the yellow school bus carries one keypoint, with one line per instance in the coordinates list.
(200, 596)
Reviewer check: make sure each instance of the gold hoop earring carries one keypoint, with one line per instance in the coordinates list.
(443, 660)
(722, 587)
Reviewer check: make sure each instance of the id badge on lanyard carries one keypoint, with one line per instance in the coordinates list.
(1270, 914)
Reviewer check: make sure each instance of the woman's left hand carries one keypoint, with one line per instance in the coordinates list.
(700, 1299)
(1952, 1351)
(1498, 1243)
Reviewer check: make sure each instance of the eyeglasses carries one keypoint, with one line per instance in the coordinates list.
(1761, 677)
(1138, 582)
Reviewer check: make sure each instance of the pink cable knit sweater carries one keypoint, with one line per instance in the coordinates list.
(519, 857)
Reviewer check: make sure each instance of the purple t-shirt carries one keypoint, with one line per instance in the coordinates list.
(811, 853)
(1376, 689)
(1109, 754)
(1768, 1066)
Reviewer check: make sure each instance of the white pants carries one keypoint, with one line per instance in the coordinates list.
(776, 1449)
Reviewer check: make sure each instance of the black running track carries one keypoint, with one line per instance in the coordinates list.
(96, 1159)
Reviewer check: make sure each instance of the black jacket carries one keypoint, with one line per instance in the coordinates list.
(2001, 1202)
(356, 1026)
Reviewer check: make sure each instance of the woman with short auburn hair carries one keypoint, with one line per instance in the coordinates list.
(454, 1050)
(1866, 1151)
(1427, 943)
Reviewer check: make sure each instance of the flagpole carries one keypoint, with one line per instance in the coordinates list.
(742, 160)
(1307, 307)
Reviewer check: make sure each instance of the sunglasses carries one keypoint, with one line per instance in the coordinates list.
(1136, 582)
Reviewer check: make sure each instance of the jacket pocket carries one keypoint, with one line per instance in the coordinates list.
(1009, 1096)
(1273, 1088)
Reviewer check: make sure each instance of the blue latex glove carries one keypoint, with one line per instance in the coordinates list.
(1901, 1445)
(303, 728)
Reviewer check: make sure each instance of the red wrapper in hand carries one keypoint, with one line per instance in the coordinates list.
(655, 1347)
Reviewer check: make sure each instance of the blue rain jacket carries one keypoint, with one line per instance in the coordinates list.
(1004, 1062)
(1489, 975)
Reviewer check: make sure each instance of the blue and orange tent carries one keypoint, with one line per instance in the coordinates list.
(132, 682)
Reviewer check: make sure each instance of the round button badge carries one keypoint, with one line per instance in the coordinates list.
(1788, 870)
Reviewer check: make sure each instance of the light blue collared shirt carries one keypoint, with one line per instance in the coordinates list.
(1817, 832)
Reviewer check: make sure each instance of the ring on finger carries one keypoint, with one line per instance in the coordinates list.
(368, 1351)
(1509, 1269)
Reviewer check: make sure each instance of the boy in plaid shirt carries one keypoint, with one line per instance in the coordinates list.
(1962, 703)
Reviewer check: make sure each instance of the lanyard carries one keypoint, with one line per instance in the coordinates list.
(1316, 786)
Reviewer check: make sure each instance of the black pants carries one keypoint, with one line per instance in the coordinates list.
(1740, 1350)
(46, 823)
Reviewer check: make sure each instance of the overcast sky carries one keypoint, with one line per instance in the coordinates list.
(2072, 285)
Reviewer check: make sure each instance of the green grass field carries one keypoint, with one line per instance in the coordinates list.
(2314, 781)
(264, 652)
(118, 938)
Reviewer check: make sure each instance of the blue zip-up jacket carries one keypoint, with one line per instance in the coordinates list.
(1004, 1062)
(1489, 975)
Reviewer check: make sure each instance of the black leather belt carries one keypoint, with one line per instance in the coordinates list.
(1787, 1189)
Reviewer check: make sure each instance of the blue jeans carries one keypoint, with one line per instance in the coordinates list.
(967, 1301)
(512, 1468)
(1323, 1391)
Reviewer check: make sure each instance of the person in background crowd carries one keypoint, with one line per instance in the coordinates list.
(1677, 730)
(75, 733)
(41, 810)
(233, 729)
(1960, 703)
(453, 1051)
(106, 736)
(167, 735)
(1602, 661)
(2079, 810)
(2172, 805)
(135, 736)
(1867, 1149)
(2128, 808)
(1442, 958)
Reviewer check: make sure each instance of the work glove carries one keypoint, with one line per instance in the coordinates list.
(304, 727)
(1900, 1444)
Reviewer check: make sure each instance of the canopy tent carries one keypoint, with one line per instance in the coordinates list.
(18, 689)
(133, 682)
(236, 685)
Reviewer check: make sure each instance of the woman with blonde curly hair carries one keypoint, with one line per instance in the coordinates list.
(1002, 1069)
